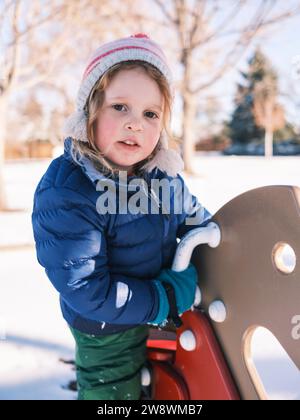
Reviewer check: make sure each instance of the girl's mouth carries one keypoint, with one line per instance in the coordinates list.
(126, 146)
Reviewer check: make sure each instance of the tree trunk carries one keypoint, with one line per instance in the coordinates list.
(188, 135)
(269, 127)
(268, 143)
(3, 125)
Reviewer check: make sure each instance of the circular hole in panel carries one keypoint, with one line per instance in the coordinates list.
(284, 257)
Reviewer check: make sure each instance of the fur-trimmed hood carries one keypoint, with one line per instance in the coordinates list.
(165, 159)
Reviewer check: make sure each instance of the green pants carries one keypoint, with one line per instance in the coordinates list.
(108, 367)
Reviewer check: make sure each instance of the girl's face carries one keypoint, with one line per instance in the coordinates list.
(132, 111)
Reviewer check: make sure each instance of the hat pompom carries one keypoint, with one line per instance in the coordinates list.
(166, 160)
(139, 35)
(75, 126)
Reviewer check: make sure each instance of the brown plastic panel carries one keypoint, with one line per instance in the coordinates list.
(241, 272)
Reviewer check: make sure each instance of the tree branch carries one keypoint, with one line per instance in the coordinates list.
(165, 12)
(222, 25)
(264, 24)
(37, 24)
(12, 69)
(240, 45)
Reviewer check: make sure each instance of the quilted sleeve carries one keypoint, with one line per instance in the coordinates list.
(71, 245)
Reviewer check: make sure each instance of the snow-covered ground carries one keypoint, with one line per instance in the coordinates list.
(33, 335)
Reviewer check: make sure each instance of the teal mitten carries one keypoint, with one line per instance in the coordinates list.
(184, 284)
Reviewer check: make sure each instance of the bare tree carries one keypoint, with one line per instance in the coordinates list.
(201, 26)
(25, 62)
(37, 38)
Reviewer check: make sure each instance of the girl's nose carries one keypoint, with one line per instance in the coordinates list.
(134, 125)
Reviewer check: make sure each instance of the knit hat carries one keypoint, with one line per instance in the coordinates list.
(136, 47)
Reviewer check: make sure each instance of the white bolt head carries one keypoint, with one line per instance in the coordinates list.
(188, 340)
(145, 377)
(217, 311)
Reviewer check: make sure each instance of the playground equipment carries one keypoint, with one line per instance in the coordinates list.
(246, 280)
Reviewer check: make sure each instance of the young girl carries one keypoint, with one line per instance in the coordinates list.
(111, 266)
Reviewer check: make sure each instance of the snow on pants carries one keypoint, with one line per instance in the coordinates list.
(108, 367)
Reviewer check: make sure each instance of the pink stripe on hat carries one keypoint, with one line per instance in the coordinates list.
(96, 60)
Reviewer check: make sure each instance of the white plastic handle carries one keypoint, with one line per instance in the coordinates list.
(210, 235)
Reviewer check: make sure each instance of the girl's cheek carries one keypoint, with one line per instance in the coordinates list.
(109, 123)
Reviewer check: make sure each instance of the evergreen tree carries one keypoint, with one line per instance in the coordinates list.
(243, 127)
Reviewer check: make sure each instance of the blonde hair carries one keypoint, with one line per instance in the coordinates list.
(95, 101)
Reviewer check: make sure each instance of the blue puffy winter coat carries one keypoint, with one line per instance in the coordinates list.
(102, 264)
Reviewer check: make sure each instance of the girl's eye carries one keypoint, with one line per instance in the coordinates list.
(118, 107)
(121, 107)
(152, 115)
